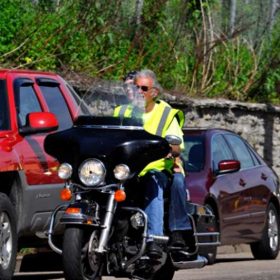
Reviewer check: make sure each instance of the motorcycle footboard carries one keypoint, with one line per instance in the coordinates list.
(199, 262)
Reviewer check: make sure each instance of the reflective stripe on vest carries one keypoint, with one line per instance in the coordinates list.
(122, 111)
(163, 120)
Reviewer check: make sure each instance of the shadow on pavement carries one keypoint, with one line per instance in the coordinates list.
(43, 261)
(39, 266)
(223, 260)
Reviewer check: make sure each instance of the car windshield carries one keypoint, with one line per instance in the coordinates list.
(194, 153)
(112, 104)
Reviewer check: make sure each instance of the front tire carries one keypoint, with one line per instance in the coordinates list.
(75, 255)
(8, 238)
(268, 247)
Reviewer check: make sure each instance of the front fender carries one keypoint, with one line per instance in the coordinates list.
(10, 160)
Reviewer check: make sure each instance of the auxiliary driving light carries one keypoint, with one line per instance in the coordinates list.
(65, 171)
(121, 172)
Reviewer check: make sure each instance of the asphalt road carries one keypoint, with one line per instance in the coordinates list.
(239, 266)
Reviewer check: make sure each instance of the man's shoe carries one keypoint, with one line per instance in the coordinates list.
(177, 239)
(154, 251)
(190, 240)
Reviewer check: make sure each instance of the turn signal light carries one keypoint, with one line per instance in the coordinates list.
(65, 194)
(120, 195)
(73, 210)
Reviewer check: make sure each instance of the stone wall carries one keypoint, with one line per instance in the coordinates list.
(259, 124)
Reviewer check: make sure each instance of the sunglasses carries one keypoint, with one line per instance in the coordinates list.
(144, 88)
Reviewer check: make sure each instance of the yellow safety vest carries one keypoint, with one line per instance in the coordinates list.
(158, 124)
(128, 111)
(162, 118)
(123, 111)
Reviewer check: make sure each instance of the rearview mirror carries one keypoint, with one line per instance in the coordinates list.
(37, 122)
(228, 166)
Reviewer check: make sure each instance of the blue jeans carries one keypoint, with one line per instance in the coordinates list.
(178, 210)
(156, 183)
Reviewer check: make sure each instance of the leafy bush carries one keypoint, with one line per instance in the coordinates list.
(185, 42)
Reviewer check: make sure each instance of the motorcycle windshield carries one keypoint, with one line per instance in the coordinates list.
(109, 128)
(112, 104)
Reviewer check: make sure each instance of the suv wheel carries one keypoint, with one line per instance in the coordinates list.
(268, 246)
(8, 238)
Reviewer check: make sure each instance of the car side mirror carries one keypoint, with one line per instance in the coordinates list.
(38, 122)
(228, 166)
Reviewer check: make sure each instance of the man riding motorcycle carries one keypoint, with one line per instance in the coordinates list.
(105, 230)
(160, 119)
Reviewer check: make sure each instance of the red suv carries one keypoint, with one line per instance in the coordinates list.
(31, 104)
(225, 173)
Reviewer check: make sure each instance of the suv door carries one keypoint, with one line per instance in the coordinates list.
(38, 177)
(39, 167)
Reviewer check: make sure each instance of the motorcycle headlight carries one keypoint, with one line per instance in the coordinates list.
(64, 171)
(92, 172)
(121, 172)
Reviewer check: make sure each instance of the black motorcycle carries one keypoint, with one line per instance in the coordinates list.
(105, 227)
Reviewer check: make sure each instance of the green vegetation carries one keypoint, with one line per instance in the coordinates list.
(197, 47)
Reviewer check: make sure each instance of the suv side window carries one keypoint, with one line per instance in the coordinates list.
(220, 150)
(57, 105)
(26, 101)
(241, 151)
(4, 107)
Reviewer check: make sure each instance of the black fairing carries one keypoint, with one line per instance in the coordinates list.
(134, 147)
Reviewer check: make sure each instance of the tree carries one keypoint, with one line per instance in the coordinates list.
(232, 17)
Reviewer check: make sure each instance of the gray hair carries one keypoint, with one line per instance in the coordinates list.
(150, 74)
